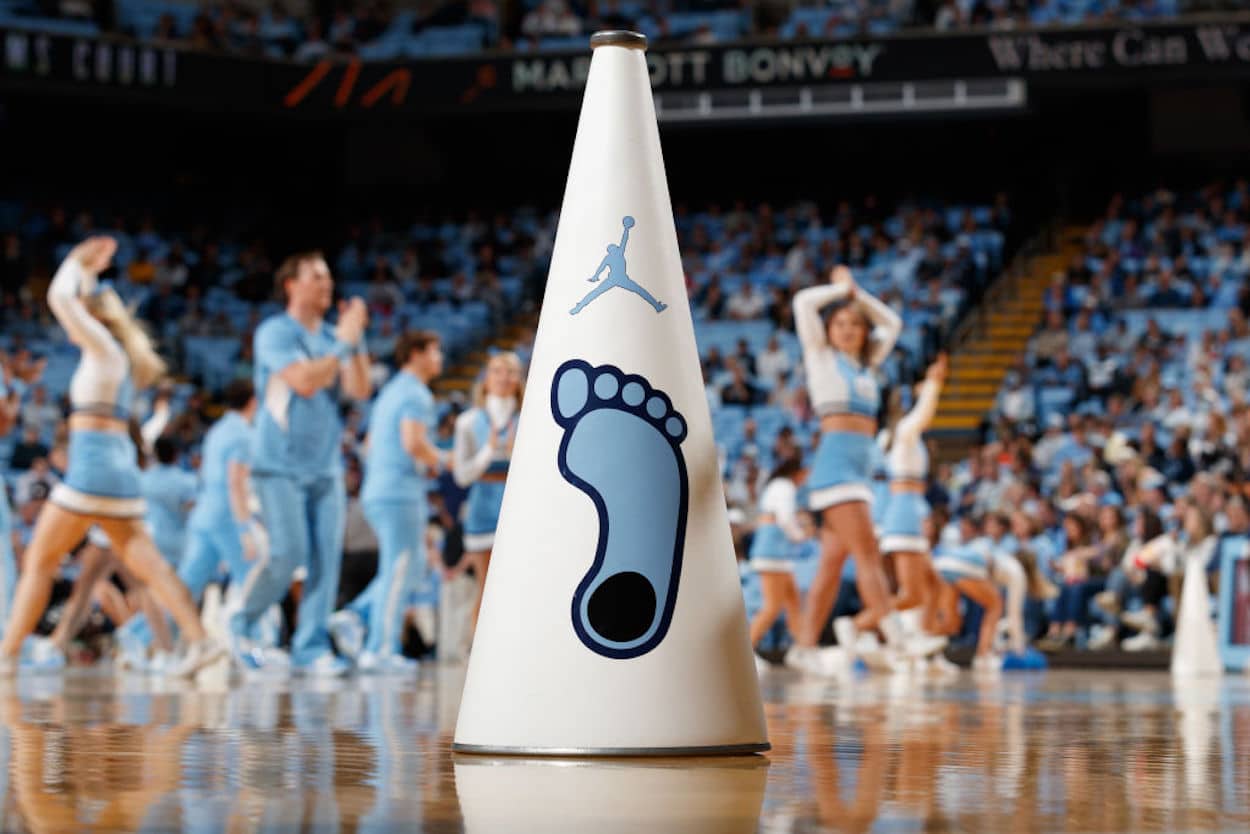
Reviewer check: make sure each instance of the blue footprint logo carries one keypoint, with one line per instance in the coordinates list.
(621, 447)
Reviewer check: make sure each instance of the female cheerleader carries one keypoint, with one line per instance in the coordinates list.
(101, 484)
(840, 357)
(480, 455)
(902, 536)
(968, 570)
(772, 548)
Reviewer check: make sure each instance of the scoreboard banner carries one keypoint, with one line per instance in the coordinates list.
(1128, 54)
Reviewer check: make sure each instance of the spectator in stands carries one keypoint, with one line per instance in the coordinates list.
(774, 364)
(740, 391)
(314, 46)
(746, 304)
(1016, 401)
(342, 30)
(39, 412)
(744, 357)
(1066, 372)
(279, 33)
(172, 270)
(1102, 371)
(551, 18)
(711, 390)
(141, 270)
(38, 479)
(1177, 465)
(1082, 573)
(711, 298)
(1166, 293)
(29, 449)
(1052, 339)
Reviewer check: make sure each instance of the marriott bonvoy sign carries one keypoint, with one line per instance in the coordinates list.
(1127, 54)
(1040, 53)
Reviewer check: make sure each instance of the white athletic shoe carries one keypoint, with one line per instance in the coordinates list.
(1101, 637)
(1141, 620)
(387, 664)
(835, 663)
(924, 645)
(987, 664)
(792, 659)
(45, 657)
(327, 665)
(1143, 642)
(199, 654)
(848, 636)
(348, 633)
(161, 663)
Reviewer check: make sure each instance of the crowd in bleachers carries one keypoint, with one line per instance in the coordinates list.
(379, 31)
(1120, 446)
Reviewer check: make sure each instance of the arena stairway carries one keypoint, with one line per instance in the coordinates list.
(994, 341)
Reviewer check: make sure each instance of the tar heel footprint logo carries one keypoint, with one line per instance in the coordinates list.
(622, 447)
(614, 263)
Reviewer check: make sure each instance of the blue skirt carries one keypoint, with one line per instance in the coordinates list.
(481, 515)
(901, 524)
(102, 478)
(771, 549)
(842, 470)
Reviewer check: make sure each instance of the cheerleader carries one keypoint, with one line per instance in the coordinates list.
(480, 454)
(967, 570)
(902, 535)
(773, 549)
(101, 484)
(840, 355)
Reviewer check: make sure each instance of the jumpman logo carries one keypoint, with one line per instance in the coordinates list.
(614, 263)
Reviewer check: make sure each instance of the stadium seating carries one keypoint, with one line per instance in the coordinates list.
(448, 32)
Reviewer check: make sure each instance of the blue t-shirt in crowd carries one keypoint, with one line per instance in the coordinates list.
(390, 472)
(295, 436)
(228, 441)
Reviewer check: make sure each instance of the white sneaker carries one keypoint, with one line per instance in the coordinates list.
(924, 645)
(161, 663)
(939, 666)
(45, 657)
(987, 664)
(387, 664)
(1141, 620)
(794, 658)
(832, 662)
(891, 628)
(1144, 642)
(1101, 637)
(197, 655)
(326, 665)
(844, 629)
(348, 633)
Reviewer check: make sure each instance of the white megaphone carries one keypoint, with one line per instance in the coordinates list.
(612, 621)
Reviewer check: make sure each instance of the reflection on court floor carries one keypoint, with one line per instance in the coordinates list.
(1076, 752)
